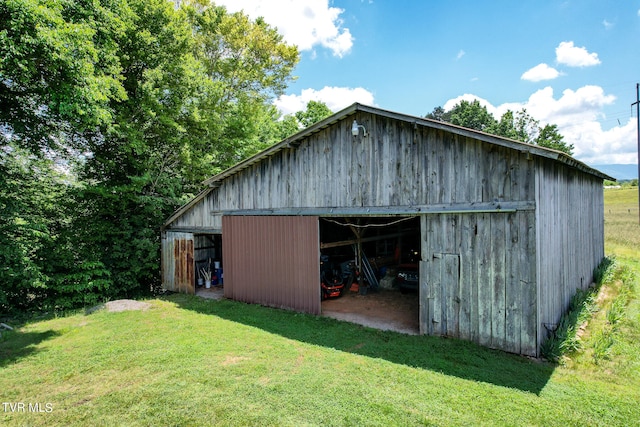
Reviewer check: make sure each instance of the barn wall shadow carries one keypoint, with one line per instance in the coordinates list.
(453, 357)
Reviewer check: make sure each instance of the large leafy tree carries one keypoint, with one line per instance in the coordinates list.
(149, 99)
(290, 124)
(25, 194)
(520, 126)
(472, 115)
(59, 73)
(59, 69)
(197, 82)
(439, 114)
(246, 64)
(550, 137)
(315, 112)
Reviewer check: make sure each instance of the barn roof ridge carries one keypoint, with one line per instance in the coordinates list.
(292, 141)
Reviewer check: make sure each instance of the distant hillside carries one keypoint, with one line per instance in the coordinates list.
(618, 171)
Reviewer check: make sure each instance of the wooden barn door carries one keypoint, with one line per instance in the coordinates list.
(184, 275)
(439, 289)
(178, 270)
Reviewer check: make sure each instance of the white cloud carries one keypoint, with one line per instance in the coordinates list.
(469, 98)
(305, 23)
(576, 113)
(584, 104)
(336, 98)
(460, 54)
(607, 25)
(600, 147)
(568, 54)
(540, 72)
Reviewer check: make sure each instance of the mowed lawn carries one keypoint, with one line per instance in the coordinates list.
(188, 361)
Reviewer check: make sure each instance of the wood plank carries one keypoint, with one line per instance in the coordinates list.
(438, 315)
(451, 208)
(426, 327)
(451, 291)
(468, 277)
(512, 284)
(498, 312)
(485, 279)
(528, 286)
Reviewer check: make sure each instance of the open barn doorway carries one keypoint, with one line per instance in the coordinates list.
(369, 271)
(209, 275)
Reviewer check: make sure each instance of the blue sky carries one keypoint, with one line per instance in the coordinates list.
(574, 63)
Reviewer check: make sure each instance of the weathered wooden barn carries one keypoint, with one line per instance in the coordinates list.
(507, 231)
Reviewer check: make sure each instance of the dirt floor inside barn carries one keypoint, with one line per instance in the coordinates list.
(388, 310)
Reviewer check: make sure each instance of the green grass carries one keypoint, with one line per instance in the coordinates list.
(622, 226)
(189, 362)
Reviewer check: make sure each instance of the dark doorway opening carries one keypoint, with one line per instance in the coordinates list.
(385, 252)
(208, 264)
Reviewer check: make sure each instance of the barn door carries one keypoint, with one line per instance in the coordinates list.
(439, 289)
(184, 266)
(178, 272)
(272, 260)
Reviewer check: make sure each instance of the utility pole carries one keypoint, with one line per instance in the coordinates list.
(637, 104)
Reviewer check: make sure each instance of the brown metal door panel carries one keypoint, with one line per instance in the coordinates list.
(272, 260)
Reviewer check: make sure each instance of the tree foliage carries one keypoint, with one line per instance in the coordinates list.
(550, 137)
(314, 112)
(472, 115)
(59, 68)
(520, 126)
(145, 100)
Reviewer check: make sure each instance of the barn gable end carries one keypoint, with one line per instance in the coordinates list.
(503, 246)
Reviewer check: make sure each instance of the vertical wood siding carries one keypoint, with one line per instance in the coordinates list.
(516, 271)
(273, 261)
(177, 262)
(477, 279)
(570, 237)
(395, 165)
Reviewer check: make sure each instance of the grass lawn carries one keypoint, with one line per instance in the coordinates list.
(188, 361)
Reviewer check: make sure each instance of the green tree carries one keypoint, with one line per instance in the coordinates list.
(527, 128)
(472, 115)
(315, 112)
(288, 125)
(198, 83)
(58, 69)
(157, 98)
(247, 64)
(550, 137)
(134, 177)
(23, 232)
(439, 114)
(520, 126)
(38, 269)
(59, 74)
